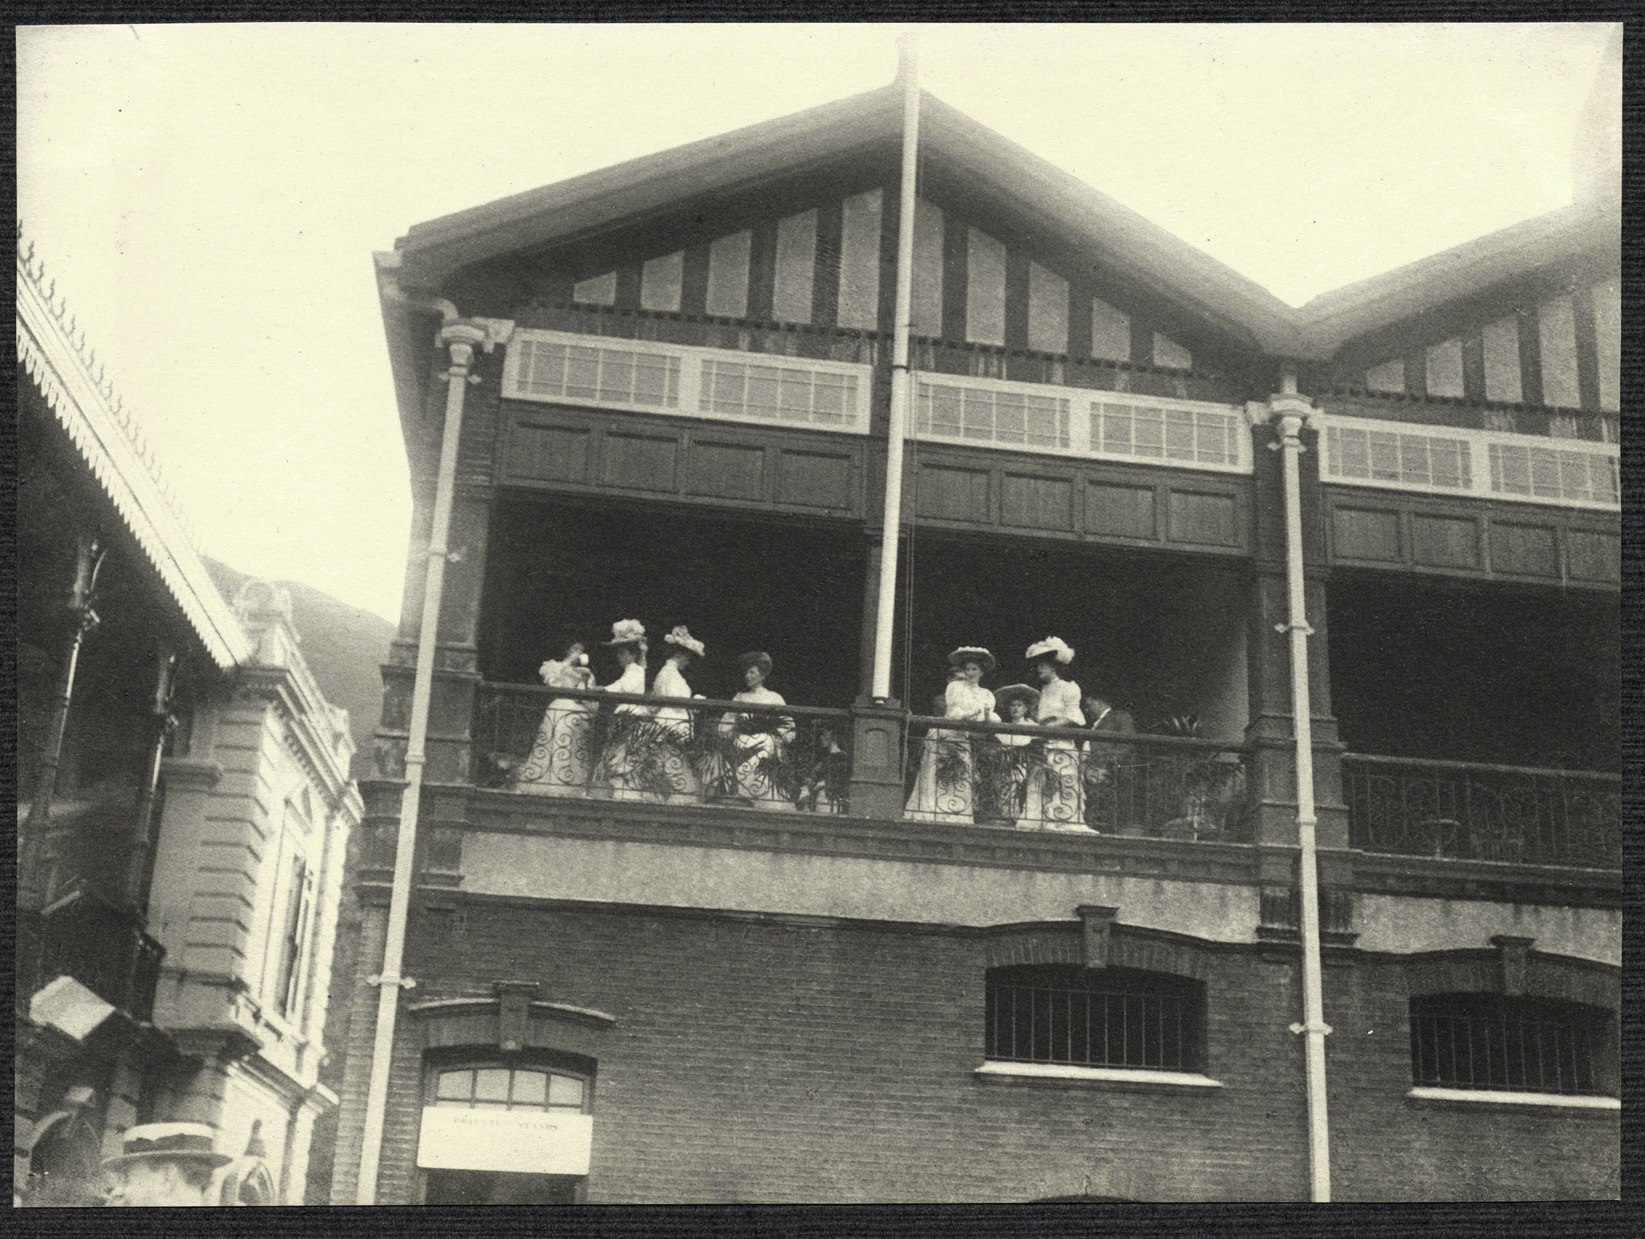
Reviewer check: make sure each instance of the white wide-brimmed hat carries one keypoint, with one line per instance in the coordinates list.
(626, 632)
(1054, 647)
(154, 1141)
(681, 636)
(1003, 697)
(972, 654)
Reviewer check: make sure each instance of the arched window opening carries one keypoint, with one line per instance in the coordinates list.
(1512, 1044)
(509, 1129)
(1109, 1017)
(65, 1165)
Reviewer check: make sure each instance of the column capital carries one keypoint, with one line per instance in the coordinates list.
(462, 338)
(1291, 410)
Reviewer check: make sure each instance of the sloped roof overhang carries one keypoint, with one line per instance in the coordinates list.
(1089, 222)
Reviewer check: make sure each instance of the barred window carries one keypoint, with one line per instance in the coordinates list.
(1110, 1017)
(1487, 1041)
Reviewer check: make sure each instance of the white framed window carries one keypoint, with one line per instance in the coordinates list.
(1067, 421)
(289, 912)
(990, 411)
(1487, 464)
(683, 380)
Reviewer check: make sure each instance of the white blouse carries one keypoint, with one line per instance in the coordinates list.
(973, 704)
(1060, 700)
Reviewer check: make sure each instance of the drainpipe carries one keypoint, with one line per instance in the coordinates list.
(908, 73)
(82, 619)
(142, 829)
(1292, 412)
(460, 338)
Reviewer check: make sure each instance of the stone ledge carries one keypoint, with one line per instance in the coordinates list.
(1468, 1098)
(1059, 1074)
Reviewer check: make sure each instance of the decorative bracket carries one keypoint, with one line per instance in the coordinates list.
(402, 982)
(1322, 1029)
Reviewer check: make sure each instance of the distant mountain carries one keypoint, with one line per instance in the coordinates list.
(344, 647)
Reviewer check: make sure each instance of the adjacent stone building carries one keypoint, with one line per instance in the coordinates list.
(184, 803)
(709, 956)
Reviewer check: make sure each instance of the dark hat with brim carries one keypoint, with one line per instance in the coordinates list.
(150, 1142)
(1003, 697)
(755, 658)
(972, 654)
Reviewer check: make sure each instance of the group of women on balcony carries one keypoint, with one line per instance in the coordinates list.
(656, 752)
(966, 776)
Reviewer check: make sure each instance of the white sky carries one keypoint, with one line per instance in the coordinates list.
(209, 196)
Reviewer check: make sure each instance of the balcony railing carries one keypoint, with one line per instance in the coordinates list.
(94, 941)
(1462, 810)
(1053, 778)
(598, 745)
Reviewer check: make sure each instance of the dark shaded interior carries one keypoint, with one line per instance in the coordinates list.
(1468, 672)
(561, 572)
(1160, 636)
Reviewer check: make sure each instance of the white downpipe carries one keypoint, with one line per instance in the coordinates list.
(1313, 1026)
(461, 339)
(908, 72)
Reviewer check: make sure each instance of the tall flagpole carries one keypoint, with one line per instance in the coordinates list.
(908, 76)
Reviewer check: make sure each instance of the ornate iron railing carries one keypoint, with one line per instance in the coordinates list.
(1056, 778)
(617, 746)
(1463, 810)
(98, 943)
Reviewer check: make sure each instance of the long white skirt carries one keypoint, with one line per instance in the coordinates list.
(939, 799)
(1056, 794)
(562, 754)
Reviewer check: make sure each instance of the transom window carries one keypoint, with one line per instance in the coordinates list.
(1487, 1041)
(1111, 1017)
(511, 1088)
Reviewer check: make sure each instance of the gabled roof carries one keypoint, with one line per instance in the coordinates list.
(1112, 234)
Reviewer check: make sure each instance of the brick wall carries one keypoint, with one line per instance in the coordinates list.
(757, 1061)
(766, 1061)
(1387, 1147)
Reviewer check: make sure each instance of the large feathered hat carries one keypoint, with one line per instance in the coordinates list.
(626, 632)
(681, 637)
(1051, 647)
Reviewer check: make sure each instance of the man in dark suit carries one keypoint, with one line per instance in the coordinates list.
(1110, 786)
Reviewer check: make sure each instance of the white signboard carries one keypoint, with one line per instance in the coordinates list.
(518, 1141)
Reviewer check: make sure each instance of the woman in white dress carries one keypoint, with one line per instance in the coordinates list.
(758, 741)
(1056, 795)
(620, 762)
(560, 755)
(1016, 704)
(943, 788)
(675, 721)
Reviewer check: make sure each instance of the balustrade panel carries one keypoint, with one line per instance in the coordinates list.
(1460, 810)
(615, 746)
(1041, 778)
